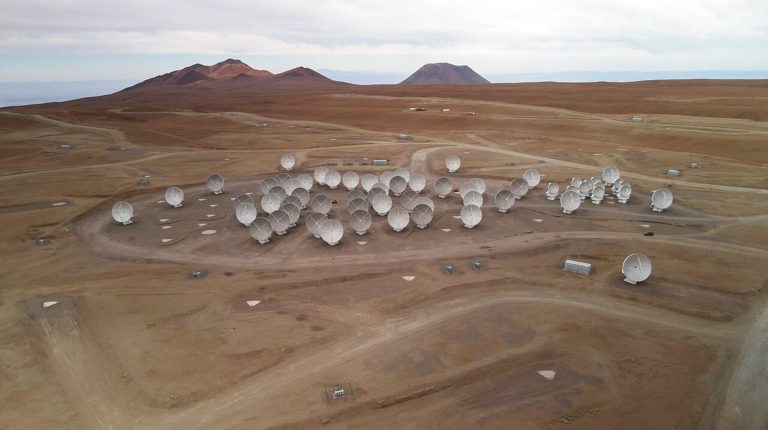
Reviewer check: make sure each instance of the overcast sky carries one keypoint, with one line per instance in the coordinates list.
(136, 39)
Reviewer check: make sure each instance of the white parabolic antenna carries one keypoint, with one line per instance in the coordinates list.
(332, 179)
(467, 187)
(597, 194)
(405, 173)
(519, 187)
(417, 182)
(504, 200)
(291, 185)
(320, 203)
(282, 179)
(331, 231)
(122, 212)
(385, 177)
(354, 194)
(532, 177)
(473, 198)
(280, 221)
(267, 184)
(314, 221)
(661, 199)
(288, 161)
(382, 186)
(302, 194)
(479, 184)
(367, 181)
(398, 184)
(278, 191)
(471, 216)
(636, 268)
(215, 184)
(360, 221)
(398, 218)
(350, 180)
(610, 175)
(553, 189)
(305, 181)
(357, 204)
(320, 173)
(576, 182)
(243, 198)
(443, 187)
(570, 201)
(293, 212)
(174, 196)
(246, 213)
(292, 200)
(452, 163)
(382, 204)
(261, 230)
(424, 201)
(625, 192)
(408, 200)
(422, 215)
(271, 202)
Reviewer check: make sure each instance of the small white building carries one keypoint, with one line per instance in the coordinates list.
(673, 172)
(445, 110)
(577, 267)
(380, 162)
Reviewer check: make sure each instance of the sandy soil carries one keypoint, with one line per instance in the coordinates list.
(135, 342)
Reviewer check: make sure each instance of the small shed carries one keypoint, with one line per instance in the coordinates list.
(577, 267)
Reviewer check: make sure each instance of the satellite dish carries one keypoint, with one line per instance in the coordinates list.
(174, 196)
(303, 195)
(350, 180)
(584, 190)
(610, 175)
(354, 194)
(570, 201)
(215, 184)
(660, 199)
(293, 212)
(597, 195)
(417, 182)
(278, 191)
(625, 192)
(282, 179)
(374, 192)
(573, 188)
(321, 203)
(271, 202)
(443, 187)
(246, 213)
(290, 185)
(288, 161)
(422, 215)
(405, 173)
(331, 231)
(467, 187)
(408, 200)
(471, 216)
(425, 201)
(532, 177)
(280, 221)
(576, 182)
(553, 190)
(267, 185)
(519, 187)
(382, 203)
(305, 181)
(357, 205)
(617, 186)
(243, 198)
(367, 181)
(505, 199)
(479, 185)
(292, 201)
(398, 184)
(398, 218)
(381, 185)
(385, 177)
(261, 230)
(314, 221)
(473, 198)
(320, 173)
(122, 212)
(636, 268)
(333, 179)
(360, 221)
(452, 163)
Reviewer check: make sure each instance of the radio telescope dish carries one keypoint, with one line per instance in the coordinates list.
(505, 199)
(636, 268)
(443, 187)
(261, 230)
(360, 221)
(452, 163)
(267, 185)
(610, 175)
(473, 198)
(288, 161)
(321, 203)
(332, 179)
(576, 182)
(305, 181)
(271, 202)
(519, 187)
(350, 180)
(408, 200)
(320, 173)
(597, 194)
(374, 192)
(290, 185)
(303, 196)
(573, 188)
(215, 184)
(383, 187)
(422, 215)
(617, 186)
(331, 231)
(382, 203)
(398, 218)
(385, 177)
(532, 177)
(625, 192)
(314, 221)
(417, 182)
(278, 191)
(405, 173)
(398, 184)
(553, 190)
(467, 187)
(367, 181)
(661, 199)
(291, 200)
(471, 216)
(357, 205)
(293, 213)
(243, 198)
(570, 201)
(246, 213)
(122, 212)
(282, 179)
(584, 190)
(174, 196)
(280, 221)
(479, 184)
(354, 194)
(425, 201)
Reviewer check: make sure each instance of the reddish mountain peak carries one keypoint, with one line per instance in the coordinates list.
(301, 71)
(199, 73)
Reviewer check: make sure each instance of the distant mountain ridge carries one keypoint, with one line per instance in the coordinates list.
(444, 73)
(198, 73)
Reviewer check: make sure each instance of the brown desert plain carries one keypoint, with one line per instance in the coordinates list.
(135, 343)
